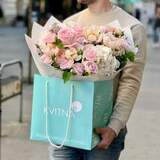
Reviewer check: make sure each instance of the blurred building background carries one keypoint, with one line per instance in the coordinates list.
(16, 17)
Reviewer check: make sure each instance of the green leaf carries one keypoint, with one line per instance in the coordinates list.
(59, 43)
(67, 76)
(123, 59)
(130, 56)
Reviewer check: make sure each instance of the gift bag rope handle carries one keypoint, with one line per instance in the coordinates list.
(68, 121)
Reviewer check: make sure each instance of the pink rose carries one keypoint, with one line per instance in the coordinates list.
(67, 36)
(66, 63)
(80, 37)
(107, 38)
(50, 38)
(90, 54)
(78, 68)
(90, 67)
(46, 59)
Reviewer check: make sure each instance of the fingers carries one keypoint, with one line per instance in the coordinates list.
(107, 135)
(100, 130)
(104, 144)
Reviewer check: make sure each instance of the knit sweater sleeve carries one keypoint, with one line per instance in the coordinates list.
(129, 83)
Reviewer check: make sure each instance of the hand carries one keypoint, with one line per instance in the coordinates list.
(108, 135)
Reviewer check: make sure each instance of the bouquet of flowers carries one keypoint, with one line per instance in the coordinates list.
(69, 51)
(84, 52)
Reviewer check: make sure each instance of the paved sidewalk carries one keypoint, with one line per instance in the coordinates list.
(142, 143)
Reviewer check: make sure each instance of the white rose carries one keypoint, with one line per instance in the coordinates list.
(71, 53)
(92, 33)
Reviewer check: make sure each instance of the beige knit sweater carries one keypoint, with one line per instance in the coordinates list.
(127, 83)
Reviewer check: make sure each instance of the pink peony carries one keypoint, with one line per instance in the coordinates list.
(46, 59)
(78, 31)
(90, 54)
(66, 63)
(67, 35)
(90, 67)
(78, 68)
(50, 38)
(80, 37)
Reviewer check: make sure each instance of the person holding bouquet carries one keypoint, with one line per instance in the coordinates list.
(126, 84)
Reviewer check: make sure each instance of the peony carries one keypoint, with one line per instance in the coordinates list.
(46, 59)
(80, 37)
(90, 54)
(66, 63)
(78, 31)
(67, 35)
(90, 67)
(78, 68)
(49, 38)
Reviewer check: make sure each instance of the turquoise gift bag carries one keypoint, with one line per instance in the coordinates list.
(65, 114)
